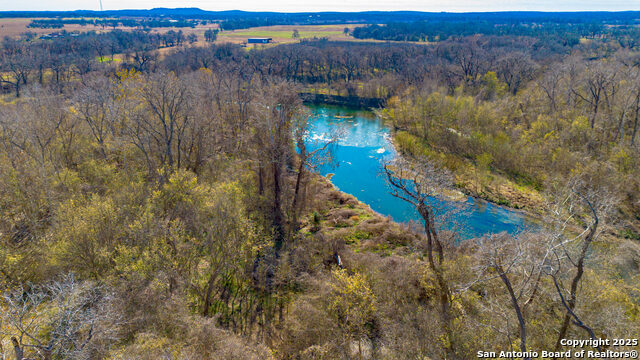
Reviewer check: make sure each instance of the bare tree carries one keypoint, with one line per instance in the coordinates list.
(309, 160)
(469, 57)
(97, 105)
(416, 182)
(550, 83)
(516, 261)
(596, 80)
(58, 320)
(635, 108)
(16, 68)
(142, 59)
(585, 203)
(515, 70)
(33, 126)
(277, 117)
(159, 119)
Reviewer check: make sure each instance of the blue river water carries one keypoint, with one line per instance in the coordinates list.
(363, 148)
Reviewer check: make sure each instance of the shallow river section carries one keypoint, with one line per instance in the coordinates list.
(363, 148)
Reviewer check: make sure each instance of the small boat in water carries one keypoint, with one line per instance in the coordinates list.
(344, 116)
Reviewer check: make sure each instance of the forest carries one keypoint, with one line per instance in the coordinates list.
(165, 205)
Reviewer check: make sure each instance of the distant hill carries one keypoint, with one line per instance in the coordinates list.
(367, 17)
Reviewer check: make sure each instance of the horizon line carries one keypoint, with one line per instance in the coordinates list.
(326, 11)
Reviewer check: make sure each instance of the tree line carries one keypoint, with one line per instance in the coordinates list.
(27, 59)
(565, 33)
(114, 23)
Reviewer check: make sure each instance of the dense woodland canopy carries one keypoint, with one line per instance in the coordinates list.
(566, 33)
(165, 206)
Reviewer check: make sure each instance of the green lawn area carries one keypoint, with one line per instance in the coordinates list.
(106, 59)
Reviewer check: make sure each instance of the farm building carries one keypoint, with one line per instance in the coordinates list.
(259, 40)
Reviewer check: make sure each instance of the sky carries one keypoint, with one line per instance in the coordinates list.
(330, 5)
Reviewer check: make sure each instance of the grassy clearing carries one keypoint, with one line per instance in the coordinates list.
(108, 59)
(284, 33)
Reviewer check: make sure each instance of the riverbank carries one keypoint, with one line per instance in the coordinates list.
(348, 224)
(350, 101)
(472, 180)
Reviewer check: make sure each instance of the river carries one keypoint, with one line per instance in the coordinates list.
(365, 145)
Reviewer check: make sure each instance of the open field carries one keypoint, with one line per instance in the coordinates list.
(281, 34)
(284, 33)
(16, 26)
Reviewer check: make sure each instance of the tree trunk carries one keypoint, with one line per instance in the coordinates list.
(277, 208)
(18, 352)
(432, 237)
(621, 127)
(516, 307)
(635, 121)
(296, 192)
(260, 180)
(207, 298)
(571, 303)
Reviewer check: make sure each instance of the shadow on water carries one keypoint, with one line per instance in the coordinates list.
(360, 153)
